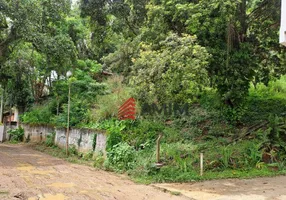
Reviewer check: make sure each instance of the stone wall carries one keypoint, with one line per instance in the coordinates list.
(82, 139)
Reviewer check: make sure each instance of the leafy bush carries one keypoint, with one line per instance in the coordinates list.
(50, 140)
(88, 156)
(264, 101)
(114, 138)
(121, 157)
(142, 132)
(38, 115)
(16, 135)
(99, 161)
(114, 130)
(73, 150)
(179, 155)
(144, 163)
(234, 115)
(226, 156)
(78, 114)
(253, 154)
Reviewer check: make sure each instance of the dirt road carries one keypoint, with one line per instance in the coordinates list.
(28, 174)
(233, 189)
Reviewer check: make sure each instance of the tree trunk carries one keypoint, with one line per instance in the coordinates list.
(243, 21)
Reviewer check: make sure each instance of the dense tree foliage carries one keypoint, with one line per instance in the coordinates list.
(34, 44)
(241, 36)
(167, 50)
(174, 73)
(74, 65)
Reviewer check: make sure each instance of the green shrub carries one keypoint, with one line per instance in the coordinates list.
(142, 132)
(16, 135)
(99, 160)
(78, 114)
(253, 154)
(114, 135)
(264, 101)
(226, 156)
(73, 150)
(88, 156)
(121, 157)
(234, 115)
(180, 155)
(40, 114)
(50, 140)
(210, 100)
(144, 163)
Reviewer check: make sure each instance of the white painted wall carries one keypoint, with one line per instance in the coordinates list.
(283, 23)
(82, 139)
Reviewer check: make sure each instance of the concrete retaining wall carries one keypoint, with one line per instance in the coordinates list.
(7, 127)
(82, 139)
(37, 133)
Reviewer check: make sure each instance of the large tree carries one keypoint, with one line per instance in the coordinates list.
(241, 36)
(32, 45)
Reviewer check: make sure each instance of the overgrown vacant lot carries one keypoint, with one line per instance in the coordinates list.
(74, 65)
(242, 143)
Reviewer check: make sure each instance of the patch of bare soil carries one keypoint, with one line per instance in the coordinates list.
(232, 189)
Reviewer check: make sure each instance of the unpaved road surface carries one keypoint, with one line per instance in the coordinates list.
(32, 175)
(29, 174)
(233, 189)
